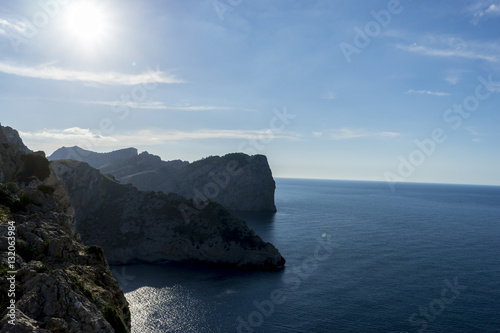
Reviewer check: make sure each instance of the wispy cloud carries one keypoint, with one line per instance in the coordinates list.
(329, 96)
(475, 134)
(154, 105)
(49, 72)
(350, 133)
(454, 76)
(453, 79)
(449, 46)
(426, 92)
(481, 10)
(9, 25)
(51, 139)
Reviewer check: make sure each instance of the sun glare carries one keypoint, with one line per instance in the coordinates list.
(86, 22)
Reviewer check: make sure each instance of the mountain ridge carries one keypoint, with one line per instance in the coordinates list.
(237, 181)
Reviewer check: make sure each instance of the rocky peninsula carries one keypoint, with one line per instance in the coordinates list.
(145, 226)
(237, 181)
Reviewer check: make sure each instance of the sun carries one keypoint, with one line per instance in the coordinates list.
(86, 22)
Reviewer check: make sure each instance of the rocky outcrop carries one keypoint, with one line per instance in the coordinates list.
(12, 143)
(236, 181)
(60, 284)
(142, 226)
(96, 160)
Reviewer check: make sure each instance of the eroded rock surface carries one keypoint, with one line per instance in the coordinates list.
(60, 285)
(144, 226)
(236, 181)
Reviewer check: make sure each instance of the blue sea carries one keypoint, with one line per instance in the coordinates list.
(360, 258)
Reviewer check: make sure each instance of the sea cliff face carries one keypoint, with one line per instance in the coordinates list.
(236, 181)
(60, 285)
(143, 226)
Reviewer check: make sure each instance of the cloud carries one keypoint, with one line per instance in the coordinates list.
(483, 10)
(454, 75)
(475, 134)
(427, 92)
(453, 79)
(329, 96)
(317, 134)
(9, 25)
(349, 133)
(51, 139)
(459, 52)
(450, 46)
(49, 72)
(158, 106)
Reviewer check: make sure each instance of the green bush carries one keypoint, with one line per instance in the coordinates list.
(3, 270)
(21, 204)
(81, 287)
(11, 202)
(5, 196)
(33, 166)
(43, 269)
(93, 249)
(4, 214)
(114, 319)
(46, 189)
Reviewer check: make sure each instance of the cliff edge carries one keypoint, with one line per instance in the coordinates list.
(237, 181)
(59, 285)
(143, 226)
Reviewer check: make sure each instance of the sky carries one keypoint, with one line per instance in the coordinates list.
(366, 90)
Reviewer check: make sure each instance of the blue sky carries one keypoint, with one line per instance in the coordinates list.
(369, 90)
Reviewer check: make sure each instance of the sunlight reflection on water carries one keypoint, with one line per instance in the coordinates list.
(166, 310)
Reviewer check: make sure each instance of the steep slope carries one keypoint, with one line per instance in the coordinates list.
(236, 181)
(60, 285)
(137, 226)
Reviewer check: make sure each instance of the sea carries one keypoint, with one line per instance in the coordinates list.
(360, 257)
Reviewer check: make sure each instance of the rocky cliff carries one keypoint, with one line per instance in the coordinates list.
(96, 160)
(60, 285)
(142, 226)
(237, 181)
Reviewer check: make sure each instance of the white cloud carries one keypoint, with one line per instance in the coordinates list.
(454, 75)
(48, 72)
(453, 79)
(349, 133)
(317, 134)
(427, 92)
(483, 10)
(13, 25)
(158, 106)
(493, 9)
(437, 45)
(51, 139)
(476, 135)
(477, 51)
(329, 95)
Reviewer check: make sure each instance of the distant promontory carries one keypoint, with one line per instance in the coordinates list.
(237, 181)
(144, 226)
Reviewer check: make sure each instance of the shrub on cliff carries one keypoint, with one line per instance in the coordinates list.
(33, 166)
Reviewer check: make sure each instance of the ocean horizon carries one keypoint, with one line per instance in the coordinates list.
(360, 258)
